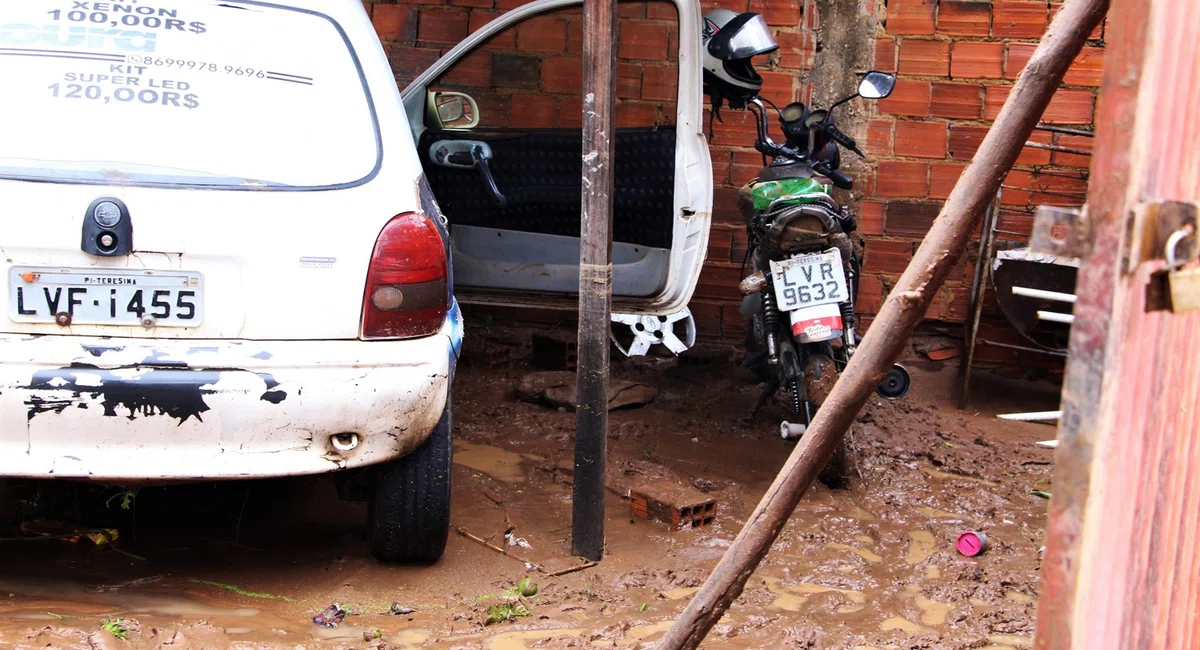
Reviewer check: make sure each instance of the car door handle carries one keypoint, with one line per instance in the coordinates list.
(461, 159)
(489, 181)
(469, 154)
(458, 153)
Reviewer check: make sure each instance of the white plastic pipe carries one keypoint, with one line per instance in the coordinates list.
(790, 430)
(1044, 295)
(1056, 317)
(1036, 416)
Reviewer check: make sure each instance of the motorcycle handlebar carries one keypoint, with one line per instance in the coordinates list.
(765, 145)
(839, 179)
(822, 167)
(764, 133)
(841, 138)
(768, 146)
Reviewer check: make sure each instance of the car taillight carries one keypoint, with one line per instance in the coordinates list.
(406, 283)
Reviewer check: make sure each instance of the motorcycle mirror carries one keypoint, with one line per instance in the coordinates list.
(876, 85)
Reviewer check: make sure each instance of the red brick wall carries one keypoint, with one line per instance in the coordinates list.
(956, 59)
(530, 74)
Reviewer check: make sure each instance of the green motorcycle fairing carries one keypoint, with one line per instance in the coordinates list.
(758, 195)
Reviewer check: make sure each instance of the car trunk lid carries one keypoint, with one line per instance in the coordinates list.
(268, 265)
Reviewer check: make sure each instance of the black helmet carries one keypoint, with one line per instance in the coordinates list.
(730, 40)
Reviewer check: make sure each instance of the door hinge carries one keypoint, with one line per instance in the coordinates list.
(1154, 223)
(1063, 232)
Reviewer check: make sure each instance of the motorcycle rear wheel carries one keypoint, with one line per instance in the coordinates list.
(842, 467)
(754, 336)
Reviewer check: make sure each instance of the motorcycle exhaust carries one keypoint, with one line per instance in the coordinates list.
(791, 430)
(896, 384)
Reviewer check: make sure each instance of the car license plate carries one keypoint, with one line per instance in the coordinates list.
(809, 280)
(105, 297)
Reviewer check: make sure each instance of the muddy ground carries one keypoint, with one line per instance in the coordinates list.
(247, 565)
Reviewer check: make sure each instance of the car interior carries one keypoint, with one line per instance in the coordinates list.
(513, 195)
(513, 237)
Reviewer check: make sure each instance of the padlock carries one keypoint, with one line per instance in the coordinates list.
(1184, 283)
(1185, 289)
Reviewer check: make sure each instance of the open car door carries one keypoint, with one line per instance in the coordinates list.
(498, 134)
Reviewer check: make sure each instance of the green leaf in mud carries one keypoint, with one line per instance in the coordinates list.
(126, 497)
(238, 590)
(1041, 493)
(115, 627)
(511, 593)
(505, 612)
(644, 607)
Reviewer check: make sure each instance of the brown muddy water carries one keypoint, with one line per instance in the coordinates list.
(247, 565)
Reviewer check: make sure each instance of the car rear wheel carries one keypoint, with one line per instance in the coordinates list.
(7, 507)
(410, 510)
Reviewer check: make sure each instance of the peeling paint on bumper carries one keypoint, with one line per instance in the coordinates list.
(128, 410)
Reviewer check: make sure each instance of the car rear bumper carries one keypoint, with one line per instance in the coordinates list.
(130, 410)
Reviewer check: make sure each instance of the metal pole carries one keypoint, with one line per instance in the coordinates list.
(1022, 348)
(1065, 130)
(1057, 147)
(978, 289)
(595, 277)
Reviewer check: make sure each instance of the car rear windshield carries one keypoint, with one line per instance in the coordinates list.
(210, 94)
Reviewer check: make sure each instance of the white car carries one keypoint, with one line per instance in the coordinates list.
(224, 257)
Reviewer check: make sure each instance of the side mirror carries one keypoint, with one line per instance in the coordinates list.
(876, 85)
(452, 110)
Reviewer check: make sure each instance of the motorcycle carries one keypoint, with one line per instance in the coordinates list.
(799, 298)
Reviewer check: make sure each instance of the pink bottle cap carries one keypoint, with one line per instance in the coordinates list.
(971, 543)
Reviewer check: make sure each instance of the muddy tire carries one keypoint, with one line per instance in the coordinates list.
(820, 375)
(761, 369)
(842, 468)
(8, 509)
(410, 510)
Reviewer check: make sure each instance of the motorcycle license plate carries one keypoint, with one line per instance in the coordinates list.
(809, 280)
